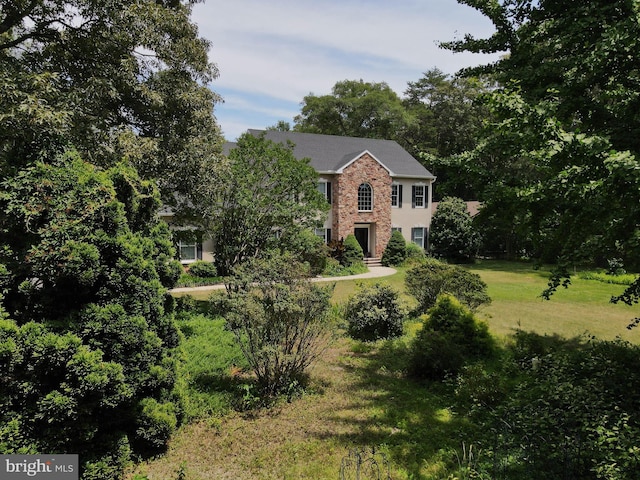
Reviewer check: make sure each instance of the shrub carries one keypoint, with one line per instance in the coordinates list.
(414, 254)
(352, 251)
(309, 248)
(395, 251)
(374, 313)
(202, 269)
(452, 233)
(430, 278)
(279, 319)
(450, 336)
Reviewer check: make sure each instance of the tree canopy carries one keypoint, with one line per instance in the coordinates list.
(562, 154)
(117, 78)
(268, 198)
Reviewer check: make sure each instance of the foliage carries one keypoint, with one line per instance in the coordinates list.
(279, 319)
(374, 313)
(414, 254)
(203, 269)
(431, 278)
(309, 248)
(560, 160)
(452, 234)
(396, 250)
(626, 279)
(573, 406)
(333, 268)
(450, 337)
(354, 109)
(268, 190)
(89, 338)
(353, 254)
(114, 79)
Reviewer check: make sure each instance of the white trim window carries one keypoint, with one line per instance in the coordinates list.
(418, 196)
(188, 251)
(324, 234)
(396, 195)
(365, 198)
(324, 187)
(418, 236)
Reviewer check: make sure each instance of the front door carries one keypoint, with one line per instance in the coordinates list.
(362, 235)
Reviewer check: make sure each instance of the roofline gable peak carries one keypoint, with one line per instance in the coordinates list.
(359, 156)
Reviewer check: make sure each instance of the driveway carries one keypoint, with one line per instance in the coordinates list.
(374, 272)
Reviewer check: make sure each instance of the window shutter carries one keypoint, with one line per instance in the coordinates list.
(199, 251)
(329, 192)
(399, 196)
(413, 196)
(328, 235)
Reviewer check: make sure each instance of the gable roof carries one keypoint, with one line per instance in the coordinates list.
(331, 153)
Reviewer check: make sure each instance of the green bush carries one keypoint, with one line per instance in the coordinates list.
(352, 251)
(450, 336)
(576, 406)
(431, 278)
(203, 269)
(453, 235)
(280, 320)
(414, 254)
(395, 251)
(374, 313)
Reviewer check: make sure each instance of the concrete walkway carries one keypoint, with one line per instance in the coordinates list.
(374, 272)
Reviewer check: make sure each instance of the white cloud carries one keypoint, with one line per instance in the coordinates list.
(285, 49)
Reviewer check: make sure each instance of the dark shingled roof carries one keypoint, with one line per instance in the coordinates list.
(330, 153)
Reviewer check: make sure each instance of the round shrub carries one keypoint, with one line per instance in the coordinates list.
(352, 251)
(414, 253)
(396, 250)
(450, 336)
(203, 269)
(431, 278)
(374, 313)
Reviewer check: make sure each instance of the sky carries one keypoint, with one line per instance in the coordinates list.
(271, 53)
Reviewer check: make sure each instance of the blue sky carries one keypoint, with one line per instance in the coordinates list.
(271, 53)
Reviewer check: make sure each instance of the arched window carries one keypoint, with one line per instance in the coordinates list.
(365, 198)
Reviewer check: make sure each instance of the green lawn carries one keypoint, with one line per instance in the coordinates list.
(359, 395)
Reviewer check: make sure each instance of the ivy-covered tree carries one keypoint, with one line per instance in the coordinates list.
(88, 341)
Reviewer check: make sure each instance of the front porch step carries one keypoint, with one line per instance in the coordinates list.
(372, 262)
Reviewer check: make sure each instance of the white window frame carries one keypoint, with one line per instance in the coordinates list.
(365, 201)
(422, 196)
(395, 193)
(421, 238)
(188, 244)
(324, 189)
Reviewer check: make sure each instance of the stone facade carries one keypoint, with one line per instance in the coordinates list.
(346, 216)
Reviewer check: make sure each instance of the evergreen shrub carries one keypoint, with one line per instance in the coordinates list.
(374, 313)
(395, 251)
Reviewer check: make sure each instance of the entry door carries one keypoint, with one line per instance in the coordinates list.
(362, 235)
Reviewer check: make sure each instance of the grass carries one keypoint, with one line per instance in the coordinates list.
(359, 395)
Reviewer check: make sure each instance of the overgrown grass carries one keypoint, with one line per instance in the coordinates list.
(360, 395)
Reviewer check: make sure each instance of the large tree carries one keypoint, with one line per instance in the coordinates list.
(565, 144)
(117, 78)
(101, 101)
(269, 198)
(354, 109)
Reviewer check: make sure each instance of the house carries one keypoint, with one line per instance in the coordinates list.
(374, 187)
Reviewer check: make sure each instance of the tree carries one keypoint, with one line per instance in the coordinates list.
(89, 345)
(452, 234)
(113, 79)
(566, 125)
(354, 109)
(268, 194)
(279, 319)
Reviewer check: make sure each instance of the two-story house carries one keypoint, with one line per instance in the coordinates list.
(373, 186)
